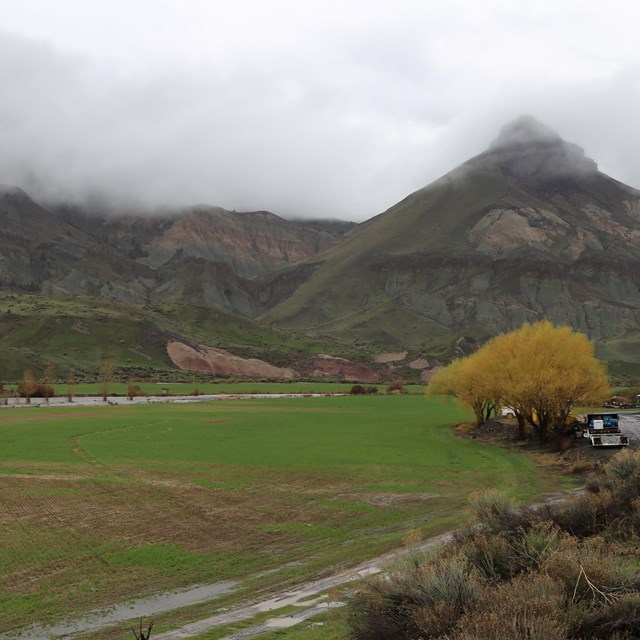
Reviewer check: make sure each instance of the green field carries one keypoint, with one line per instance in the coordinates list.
(188, 388)
(99, 505)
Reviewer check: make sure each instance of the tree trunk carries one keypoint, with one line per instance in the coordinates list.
(544, 429)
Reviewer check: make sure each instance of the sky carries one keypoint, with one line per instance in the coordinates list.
(305, 108)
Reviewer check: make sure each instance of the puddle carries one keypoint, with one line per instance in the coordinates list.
(283, 623)
(290, 599)
(144, 608)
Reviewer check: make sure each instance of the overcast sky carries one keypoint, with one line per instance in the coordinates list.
(302, 107)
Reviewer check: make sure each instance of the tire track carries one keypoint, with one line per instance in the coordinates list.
(309, 596)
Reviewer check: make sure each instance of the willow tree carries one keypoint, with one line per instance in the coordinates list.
(540, 371)
(546, 372)
(470, 379)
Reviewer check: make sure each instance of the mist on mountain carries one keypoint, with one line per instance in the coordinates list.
(535, 153)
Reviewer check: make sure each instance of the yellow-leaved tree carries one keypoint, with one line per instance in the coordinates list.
(540, 371)
(470, 379)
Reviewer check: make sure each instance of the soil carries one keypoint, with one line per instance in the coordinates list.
(223, 362)
(395, 356)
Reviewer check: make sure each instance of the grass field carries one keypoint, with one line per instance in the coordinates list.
(98, 505)
(187, 388)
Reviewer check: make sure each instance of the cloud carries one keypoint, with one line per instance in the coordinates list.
(306, 109)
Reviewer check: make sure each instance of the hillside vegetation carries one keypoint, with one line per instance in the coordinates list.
(78, 334)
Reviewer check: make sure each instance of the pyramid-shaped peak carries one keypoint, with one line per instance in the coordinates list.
(535, 154)
(525, 131)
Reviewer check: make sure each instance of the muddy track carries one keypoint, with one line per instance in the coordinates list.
(83, 454)
(309, 596)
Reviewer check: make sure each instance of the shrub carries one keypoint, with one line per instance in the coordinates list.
(133, 390)
(493, 509)
(423, 598)
(622, 475)
(372, 390)
(621, 616)
(396, 387)
(357, 390)
(377, 612)
(504, 555)
(535, 546)
(528, 607)
(585, 515)
(38, 391)
(602, 597)
(581, 466)
(447, 587)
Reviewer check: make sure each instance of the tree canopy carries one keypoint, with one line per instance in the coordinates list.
(540, 371)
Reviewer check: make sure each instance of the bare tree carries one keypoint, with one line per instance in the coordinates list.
(71, 383)
(106, 377)
(140, 635)
(47, 386)
(28, 386)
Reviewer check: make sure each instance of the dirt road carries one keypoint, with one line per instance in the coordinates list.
(311, 597)
(630, 424)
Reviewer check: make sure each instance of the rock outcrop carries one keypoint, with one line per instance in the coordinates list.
(221, 362)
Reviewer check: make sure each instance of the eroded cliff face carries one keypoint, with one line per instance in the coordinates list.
(217, 361)
(491, 294)
(504, 229)
(221, 362)
(204, 255)
(252, 244)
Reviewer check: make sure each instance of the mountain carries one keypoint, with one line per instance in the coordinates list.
(253, 244)
(201, 255)
(157, 293)
(32, 239)
(528, 229)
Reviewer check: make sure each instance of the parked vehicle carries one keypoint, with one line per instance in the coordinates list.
(603, 430)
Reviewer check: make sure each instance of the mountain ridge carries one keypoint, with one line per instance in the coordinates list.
(210, 255)
(527, 229)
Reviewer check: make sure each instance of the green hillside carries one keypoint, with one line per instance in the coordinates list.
(77, 335)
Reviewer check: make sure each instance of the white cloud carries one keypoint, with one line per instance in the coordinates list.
(315, 108)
